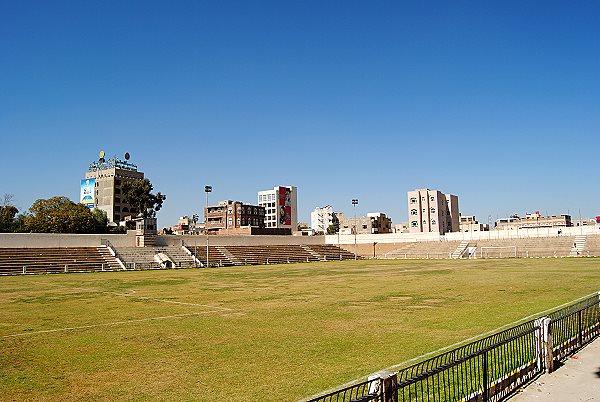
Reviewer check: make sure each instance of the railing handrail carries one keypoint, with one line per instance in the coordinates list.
(533, 346)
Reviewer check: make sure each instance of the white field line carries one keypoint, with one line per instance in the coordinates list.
(435, 352)
(142, 297)
(108, 324)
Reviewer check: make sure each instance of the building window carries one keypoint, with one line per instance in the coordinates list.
(424, 210)
(230, 221)
(432, 210)
(433, 222)
(413, 200)
(424, 222)
(413, 211)
(230, 210)
(413, 224)
(432, 198)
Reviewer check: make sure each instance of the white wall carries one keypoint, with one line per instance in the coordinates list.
(459, 236)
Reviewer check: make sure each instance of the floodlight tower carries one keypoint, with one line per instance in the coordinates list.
(355, 203)
(207, 189)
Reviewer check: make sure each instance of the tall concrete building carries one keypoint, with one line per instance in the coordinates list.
(321, 218)
(281, 206)
(101, 187)
(432, 211)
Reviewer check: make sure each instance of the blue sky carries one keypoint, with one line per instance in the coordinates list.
(497, 102)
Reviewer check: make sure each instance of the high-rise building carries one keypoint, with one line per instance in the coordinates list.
(432, 211)
(101, 187)
(281, 206)
(321, 218)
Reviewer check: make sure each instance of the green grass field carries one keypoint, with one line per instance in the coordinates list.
(257, 333)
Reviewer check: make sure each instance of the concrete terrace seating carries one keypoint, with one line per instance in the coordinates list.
(268, 254)
(526, 247)
(429, 249)
(331, 252)
(215, 256)
(143, 257)
(14, 261)
(253, 255)
(592, 245)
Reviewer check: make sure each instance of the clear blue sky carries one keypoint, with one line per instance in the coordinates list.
(344, 99)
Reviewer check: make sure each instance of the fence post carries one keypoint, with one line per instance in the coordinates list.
(66, 269)
(102, 267)
(385, 386)
(544, 345)
(24, 269)
(485, 377)
(579, 329)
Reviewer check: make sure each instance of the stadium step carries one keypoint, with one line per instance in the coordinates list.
(232, 259)
(460, 250)
(578, 245)
(312, 252)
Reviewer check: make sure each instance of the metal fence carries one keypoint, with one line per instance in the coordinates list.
(574, 326)
(486, 369)
(489, 369)
(364, 391)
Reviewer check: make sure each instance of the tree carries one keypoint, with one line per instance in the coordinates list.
(335, 225)
(8, 212)
(59, 215)
(138, 194)
(100, 219)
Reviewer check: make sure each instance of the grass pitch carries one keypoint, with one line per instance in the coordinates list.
(257, 333)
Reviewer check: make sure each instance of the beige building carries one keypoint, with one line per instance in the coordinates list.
(468, 223)
(229, 215)
(533, 220)
(103, 182)
(432, 211)
(373, 223)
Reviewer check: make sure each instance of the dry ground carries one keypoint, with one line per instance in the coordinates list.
(260, 333)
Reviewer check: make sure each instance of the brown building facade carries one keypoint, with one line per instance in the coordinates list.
(230, 215)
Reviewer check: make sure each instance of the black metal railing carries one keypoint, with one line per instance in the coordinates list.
(108, 244)
(363, 391)
(574, 326)
(491, 368)
(486, 369)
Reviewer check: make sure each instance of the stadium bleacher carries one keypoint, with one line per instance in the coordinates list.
(14, 261)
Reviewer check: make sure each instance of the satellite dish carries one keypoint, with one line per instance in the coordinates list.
(127, 156)
(101, 154)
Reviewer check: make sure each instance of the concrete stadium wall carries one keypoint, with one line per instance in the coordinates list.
(493, 234)
(44, 240)
(240, 240)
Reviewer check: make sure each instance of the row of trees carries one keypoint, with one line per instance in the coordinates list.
(61, 215)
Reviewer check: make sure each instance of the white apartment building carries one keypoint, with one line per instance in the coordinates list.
(432, 211)
(321, 218)
(281, 207)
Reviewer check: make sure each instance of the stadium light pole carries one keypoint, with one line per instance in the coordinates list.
(355, 203)
(207, 189)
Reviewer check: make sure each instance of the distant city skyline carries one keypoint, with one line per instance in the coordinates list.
(496, 103)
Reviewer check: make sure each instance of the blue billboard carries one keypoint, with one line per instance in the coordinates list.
(87, 193)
